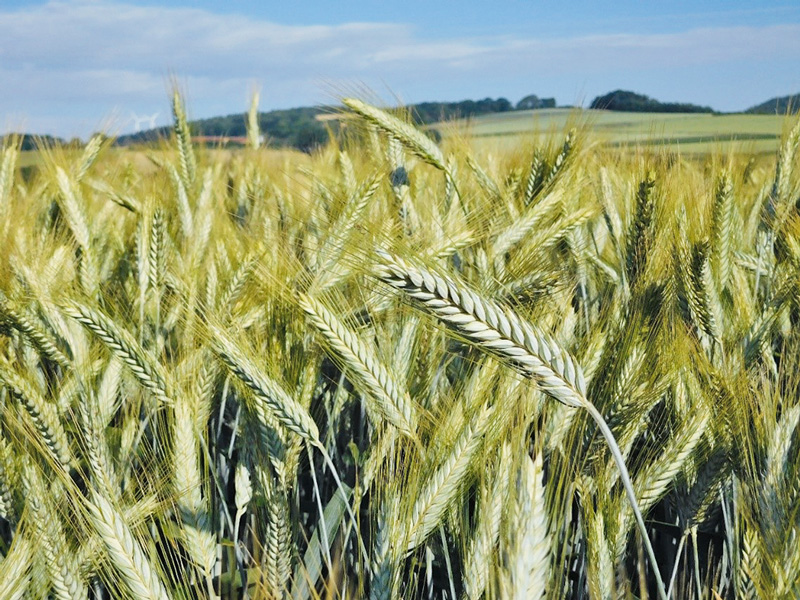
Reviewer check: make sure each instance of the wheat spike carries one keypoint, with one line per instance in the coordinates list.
(146, 369)
(392, 402)
(253, 133)
(383, 568)
(413, 139)
(184, 140)
(42, 413)
(90, 153)
(125, 552)
(492, 327)
(493, 500)
(187, 480)
(7, 477)
(15, 570)
(39, 337)
(60, 562)
(287, 410)
(530, 557)
(723, 225)
(443, 485)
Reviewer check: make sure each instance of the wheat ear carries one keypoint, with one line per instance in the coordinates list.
(286, 409)
(504, 334)
(723, 227)
(494, 498)
(15, 570)
(75, 214)
(38, 336)
(492, 327)
(125, 552)
(7, 168)
(268, 391)
(144, 367)
(408, 135)
(253, 133)
(443, 485)
(392, 402)
(184, 140)
(188, 483)
(43, 413)
(7, 474)
(60, 562)
(530, 555)
(89, 156)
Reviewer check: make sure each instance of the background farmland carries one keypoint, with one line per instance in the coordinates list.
(687, 133)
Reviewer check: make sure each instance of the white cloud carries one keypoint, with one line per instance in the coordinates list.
(80, 60)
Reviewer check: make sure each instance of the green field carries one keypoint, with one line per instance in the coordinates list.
(684, 132)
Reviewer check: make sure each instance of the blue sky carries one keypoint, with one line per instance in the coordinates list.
(70, 67)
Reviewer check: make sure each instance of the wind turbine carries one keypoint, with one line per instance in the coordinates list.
(139, 120)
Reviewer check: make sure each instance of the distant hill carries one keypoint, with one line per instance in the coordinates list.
(294, 127)
(777, 106)
(433, 112)
(623, 100)
(32, 142)
(307, 127)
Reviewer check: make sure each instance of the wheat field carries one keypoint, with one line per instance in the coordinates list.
(397, 369)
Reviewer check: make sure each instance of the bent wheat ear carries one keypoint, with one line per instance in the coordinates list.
(491, 327)
(411, 137)
(287, 410)
(502, 333)
(392, 402)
